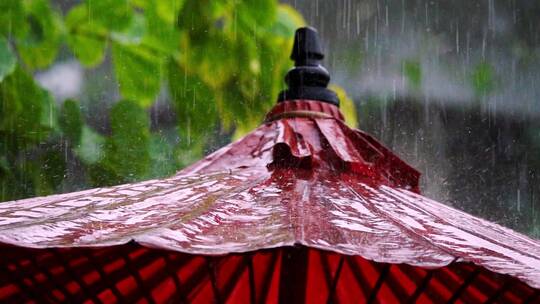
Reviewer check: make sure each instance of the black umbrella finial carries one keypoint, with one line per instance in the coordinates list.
(307, 49)
(308, 79)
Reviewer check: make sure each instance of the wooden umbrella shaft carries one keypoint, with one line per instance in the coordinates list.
(293, 276)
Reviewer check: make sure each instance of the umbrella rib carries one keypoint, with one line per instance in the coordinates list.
(69, 271)
(192, 281)
(146, 259)
(137, 277)
(332, 291)
(39, 285)
(510, 286)
(468, 281)
(252, 289)
(293, 276)
(170, 267)
(24, 287)
(464, 272)
(420, 288)
(104, 277)
(382, 275)
(326, 268)
(210, 264)
(50, 277)
(228, 286)
(452, 277)
(395, 286)
(499, 292)
(76, 278)
(159, 276)
(107, 258)
(484, 284)
(520, 289)
(433, 295)
(360, 279)
(268, 277)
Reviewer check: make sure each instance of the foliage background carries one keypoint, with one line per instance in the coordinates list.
(184, 71)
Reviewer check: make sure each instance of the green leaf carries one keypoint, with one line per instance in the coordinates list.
(195, 103)
(274, 67)
(39, 47)
(127, 155)
(15, 180)
(87, 40)
(27, 112)
(188, 152)
(114, 15)
(168, 10)
(413, 72)
(27, 118)
(162, 32)
(483, 79)
(287, 21)
(12, 18)
(8, 61)
(213, 60)
(256, 13)
(71, 121)
(90, 149)
(162, 153)
(134, 33)
(48, 171)
(198, 18)
(138, 72)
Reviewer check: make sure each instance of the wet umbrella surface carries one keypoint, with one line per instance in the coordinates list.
(302, 209)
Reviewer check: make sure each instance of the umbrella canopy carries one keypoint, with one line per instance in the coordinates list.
(302, 209)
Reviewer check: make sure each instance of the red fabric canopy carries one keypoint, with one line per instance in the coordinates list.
(222, 230)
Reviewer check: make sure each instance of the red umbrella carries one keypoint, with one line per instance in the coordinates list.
(302, 209)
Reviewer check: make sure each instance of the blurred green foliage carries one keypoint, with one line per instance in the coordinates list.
(219, 63)
(483, 79)
(412, 70)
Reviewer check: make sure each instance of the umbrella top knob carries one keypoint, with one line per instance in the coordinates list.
(308, 79)
(307, 49)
